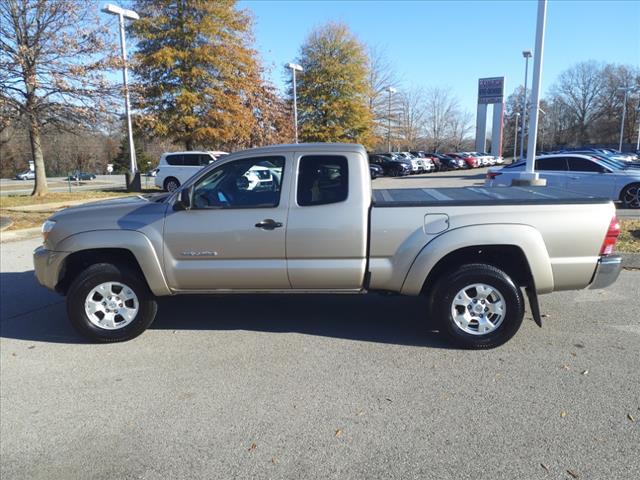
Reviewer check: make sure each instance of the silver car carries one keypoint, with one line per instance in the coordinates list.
(586, 174)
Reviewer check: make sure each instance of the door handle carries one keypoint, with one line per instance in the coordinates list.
(268, 224)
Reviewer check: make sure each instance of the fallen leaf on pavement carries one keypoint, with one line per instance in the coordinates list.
(360, 413)
(563, 414)
(338, 433)
(31, 347)
(573, 473)
(573, 354)
(566, 367)
(585, 372)
(253, 447)
(631, 417)
(274, 460)
(544, 466)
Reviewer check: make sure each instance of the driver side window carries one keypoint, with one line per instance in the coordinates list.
(246, 183)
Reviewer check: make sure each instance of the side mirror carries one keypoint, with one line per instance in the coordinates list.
(184, 201)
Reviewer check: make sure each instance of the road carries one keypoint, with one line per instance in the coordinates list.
(60, 184)
(317, 387)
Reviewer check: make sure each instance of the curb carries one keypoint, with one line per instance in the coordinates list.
(16, 235)
(630, 260)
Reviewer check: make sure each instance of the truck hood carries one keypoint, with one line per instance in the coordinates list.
(140, 213)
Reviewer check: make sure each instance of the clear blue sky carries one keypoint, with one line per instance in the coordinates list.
(453, 43)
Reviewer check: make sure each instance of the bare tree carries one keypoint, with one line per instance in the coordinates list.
(579, 90)
(382, 75)
(441, 106)
(411, 121)
(52, 66)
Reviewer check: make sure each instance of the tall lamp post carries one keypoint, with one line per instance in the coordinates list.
(527, 55)
(133, 182)
(542, 129)
(295, 68)
(626, 91)
(515, 136)
(391, 91)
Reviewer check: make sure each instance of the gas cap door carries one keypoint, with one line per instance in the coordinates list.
(435, 223)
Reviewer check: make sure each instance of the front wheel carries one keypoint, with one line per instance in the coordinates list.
(171, 184)
(479, 306)
(110, 303)
(630, 196)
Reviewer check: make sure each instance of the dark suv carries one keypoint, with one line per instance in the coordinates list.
(391, 165)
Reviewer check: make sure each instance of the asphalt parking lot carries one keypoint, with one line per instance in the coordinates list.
(318, 387)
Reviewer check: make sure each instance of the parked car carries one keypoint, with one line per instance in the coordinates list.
(583, 174)
(26, 175)
(81, 176)
(175, 168)
(470, 162)
(416, 165)
(471, 252)
(375, 171)
(437, 165)
(391, 166)
(449, 163)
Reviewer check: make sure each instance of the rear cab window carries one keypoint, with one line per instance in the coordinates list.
(322, 180)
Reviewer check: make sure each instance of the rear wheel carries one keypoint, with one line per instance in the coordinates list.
(171, 184)
(479, 306)
(630, 196)
(110, 303)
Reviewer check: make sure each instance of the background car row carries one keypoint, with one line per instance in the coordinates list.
(397, 164)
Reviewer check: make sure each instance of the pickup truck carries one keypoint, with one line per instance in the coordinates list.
(318, 227)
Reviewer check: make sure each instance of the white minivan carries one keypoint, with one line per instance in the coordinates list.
(175, 168)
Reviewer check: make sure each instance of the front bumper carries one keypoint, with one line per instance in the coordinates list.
(607, 271)
(47, 265)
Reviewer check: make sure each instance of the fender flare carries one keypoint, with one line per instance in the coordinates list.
(135, 242)
(525, 237)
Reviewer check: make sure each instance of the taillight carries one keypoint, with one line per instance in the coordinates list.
(492, 175)
(612, 237)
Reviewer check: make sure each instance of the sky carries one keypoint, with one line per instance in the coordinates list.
(453, 43)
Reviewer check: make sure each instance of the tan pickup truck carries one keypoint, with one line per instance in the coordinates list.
(303, 219)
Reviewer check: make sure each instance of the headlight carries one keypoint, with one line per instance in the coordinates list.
(46, 228)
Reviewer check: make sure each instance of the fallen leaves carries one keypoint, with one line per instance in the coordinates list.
(544, 466)
(585, 372)
(338, 433)
(631, 417)
(563, 414)
(253, 447)
(573, 473)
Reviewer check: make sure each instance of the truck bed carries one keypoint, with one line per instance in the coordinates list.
(476, 196)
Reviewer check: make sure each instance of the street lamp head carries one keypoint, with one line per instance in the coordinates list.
(526, 53)
(116, 10)
(391, 90)
(294, 66)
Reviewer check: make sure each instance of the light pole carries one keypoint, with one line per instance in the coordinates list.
(133, 182)
(515, 137)
(391, 91)
(626, 91)
(638, 142)
(527, 55)
(530, 176)
(295, 68)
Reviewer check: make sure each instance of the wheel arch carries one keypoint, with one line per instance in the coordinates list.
(112, 246)
(524, 256)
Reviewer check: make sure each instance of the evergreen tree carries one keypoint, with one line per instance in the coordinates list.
(122, 161)
(333, 88)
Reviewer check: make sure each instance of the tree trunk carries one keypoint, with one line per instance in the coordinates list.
(188, 144)
(40, 188)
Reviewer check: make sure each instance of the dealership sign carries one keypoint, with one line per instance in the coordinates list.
(491, 90)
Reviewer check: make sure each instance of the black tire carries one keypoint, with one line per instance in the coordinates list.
(448, 287)
(171, 184)
(93, 276)
(396, 172)
(630, 196)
